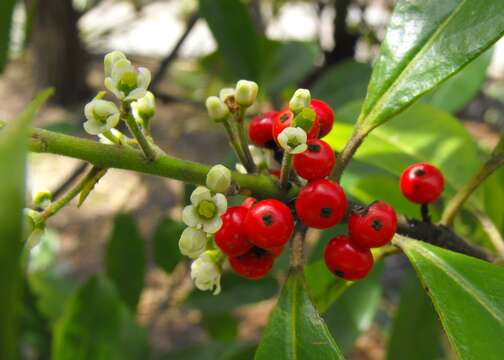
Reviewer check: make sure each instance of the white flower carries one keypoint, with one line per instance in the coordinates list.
(300, 100)
(246, 92)
(216, 108)
(225, 93)
(293, 140)
(42, 198)
(126, 82)
(206, 274)
(192, 242)
(205, 210)
(101, 115)
(218, 178)
(143, 109)
(110, 59)
(257, 155)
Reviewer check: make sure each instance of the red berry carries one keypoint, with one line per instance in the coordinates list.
(325, 116)
(248, 202)
(276, 251)
(231, 237)
(269, 223)
(422, 183)
(283, 119)
(316, 162)
(373, 226)
(346, 260)
(261, 130)
(321, 204)
(255, 264)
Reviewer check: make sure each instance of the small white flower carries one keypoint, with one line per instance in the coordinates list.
(42, 198)
(205, 210)
(218, 178)
(144, 109)
(206, 273)
(216, 108)
(192, 242)
(257, 155)
(246, 92)
(293, 140)
(300, 100)
(225, 93)
(110, 59)
(101, 115)
(126, 82)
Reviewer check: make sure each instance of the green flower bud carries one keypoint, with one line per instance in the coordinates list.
(300, 100)
(216, 108)
(144, 109)
(218, 178)
(42, 198)
(110, 59)
(246, 92)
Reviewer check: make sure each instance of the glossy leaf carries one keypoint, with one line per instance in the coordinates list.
(6, 15)
(415, 325)
(166, 237)
(236, 38)
(125, 259)
(13, 145)
(295, 330)
(468, 295)
(427, 42)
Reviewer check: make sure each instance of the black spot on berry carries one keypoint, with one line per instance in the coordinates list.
(314, 148)
(339, 273)
(284, 118)
(325, 212)
(376, 224)
(419, 172)
(258, 251)
(267, 220)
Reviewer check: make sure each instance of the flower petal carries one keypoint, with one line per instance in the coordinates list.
(190, 217)
(143, 78)
(199, 194)
(221, 203)
(213, 225)
(93, 127)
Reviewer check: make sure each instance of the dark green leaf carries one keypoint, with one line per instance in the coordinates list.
(415, 325)
(220, 325)
(236, 37)
(427, 42)
(165, 242)
(13, 144)
(6, 14)
(343, 83)
(213, 351)
(354, 312)
(468, 295)
(125, 259)
(295, 330)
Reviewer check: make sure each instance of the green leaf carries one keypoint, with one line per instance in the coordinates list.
(427, 42)
(236, 37)
(6, 14)
(295, 330)
(468, 295)
(457, 91)
(165, 242)
(354, 312)
(97, 325)
(415, 325)
(125, 259)
(13, 145)
(342, 83)
(212, 351)
(220, 325)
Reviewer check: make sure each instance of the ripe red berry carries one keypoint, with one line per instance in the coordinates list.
(231, 237)
(261, 130)
(269, 223)
(422, 183)
(283, 119)
(325, 116)
(316, 162)
(255, 264)
(321, 204)
(347, 260)
(373, 226)
(276, 251)
(248, 202)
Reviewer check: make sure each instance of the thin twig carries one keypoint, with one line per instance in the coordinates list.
(285, 170)
(297, 244)
(424, 211)
(493, 233)
(148, 151)
(74, 175)
(346, 154)
(242, 137)
(233, 141)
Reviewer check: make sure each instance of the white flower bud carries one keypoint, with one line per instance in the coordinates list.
(246, 92)
(206, 273)
(110, 59)
(225, 93)
(192, 242)
(216, 108)
(101, 115)
(218, 178)
(293, 140)
(300, 100)
(42, 198)
(144, 109)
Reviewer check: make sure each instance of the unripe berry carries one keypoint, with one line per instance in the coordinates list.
(261, 130)
(255, 264)
(347, 260)
(231, 237)
(373, 226)
(321, 204)
(269, 224)
(422, 183)
(316, 162)
(325, 116)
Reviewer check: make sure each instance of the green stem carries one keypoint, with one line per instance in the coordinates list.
(285, 170)
(72, 193)
(347, 153)
(233, 141)
(456, 203)
(242, 136)
(148, 151)
(120, 157)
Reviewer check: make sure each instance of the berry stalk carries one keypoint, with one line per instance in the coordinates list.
(285, 170)
(148, 151)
